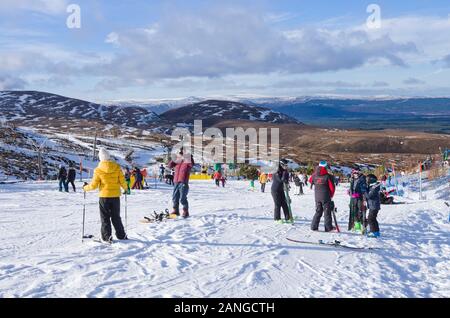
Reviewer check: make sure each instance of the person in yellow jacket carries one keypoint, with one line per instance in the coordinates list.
(109, 178)
(263, 180)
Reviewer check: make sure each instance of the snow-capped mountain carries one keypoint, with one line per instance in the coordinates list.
(158, 106)
(32, 106)
(214, 111)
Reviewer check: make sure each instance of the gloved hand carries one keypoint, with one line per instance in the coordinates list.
(84, 185)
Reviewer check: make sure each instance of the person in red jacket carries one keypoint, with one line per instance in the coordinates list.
(183, 165)
(323, 191)
(217, 177)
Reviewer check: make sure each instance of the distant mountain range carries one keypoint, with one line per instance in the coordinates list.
(32, 108)
(423, 114)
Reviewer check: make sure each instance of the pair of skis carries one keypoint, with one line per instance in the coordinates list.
(291, 217)
(335, 243)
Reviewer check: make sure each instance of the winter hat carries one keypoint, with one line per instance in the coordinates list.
(371, 179)
(323, 164)
(104, 155)
(284, 163)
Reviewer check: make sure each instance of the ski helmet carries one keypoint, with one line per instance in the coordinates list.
(323, 164)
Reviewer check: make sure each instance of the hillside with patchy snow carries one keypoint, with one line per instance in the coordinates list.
(30, 108)
(230, 247)
(214, 111)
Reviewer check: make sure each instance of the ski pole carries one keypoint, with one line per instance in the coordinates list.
(84, 213)
(126, 213)
(447, 204)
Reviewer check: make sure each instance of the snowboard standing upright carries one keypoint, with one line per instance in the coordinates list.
(288, 201)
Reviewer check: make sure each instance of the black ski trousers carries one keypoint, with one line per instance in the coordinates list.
(263, 187)
(110, 212)
(373, 223)
(72, 182)
(279, 199)
(321, 208)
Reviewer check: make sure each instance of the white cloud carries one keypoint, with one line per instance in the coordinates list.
(112, 38)
(8, 82)
(50, 7)
(445, 61)
(430, 34)
(413, 81)
(233, 42)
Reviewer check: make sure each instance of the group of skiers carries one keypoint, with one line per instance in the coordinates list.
(166, 174)
(66, 177)
(110, 179)
(364, 195)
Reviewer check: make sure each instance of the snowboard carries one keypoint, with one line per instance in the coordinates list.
(288, 201)
(158, 217)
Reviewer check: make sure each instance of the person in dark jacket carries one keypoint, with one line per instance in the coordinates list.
(298, 185)
(162, 169)
(71, 176)
(374, 204)
(62, 178)
(182, 165)
(279, 181)
(323, 192)
(357, 192)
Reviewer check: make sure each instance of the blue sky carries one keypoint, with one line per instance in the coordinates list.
(168, 49)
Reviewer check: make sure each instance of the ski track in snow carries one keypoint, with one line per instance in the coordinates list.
(230, 247)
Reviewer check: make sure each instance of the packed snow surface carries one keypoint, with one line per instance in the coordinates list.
(230, 247)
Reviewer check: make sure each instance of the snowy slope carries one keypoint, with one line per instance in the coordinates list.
(229, 248)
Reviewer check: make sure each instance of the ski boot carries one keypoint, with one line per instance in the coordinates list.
(357, 227)
(279, 221)
(333, 230)
(174, 215)
(290, 221)
(185, 214)
(107, 241)
(373, 234)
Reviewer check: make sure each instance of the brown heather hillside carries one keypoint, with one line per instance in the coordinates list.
(307, 144)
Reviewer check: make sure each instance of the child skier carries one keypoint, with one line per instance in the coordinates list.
(374, 204)
(223, 180)
(128, 181)
(357, 192)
